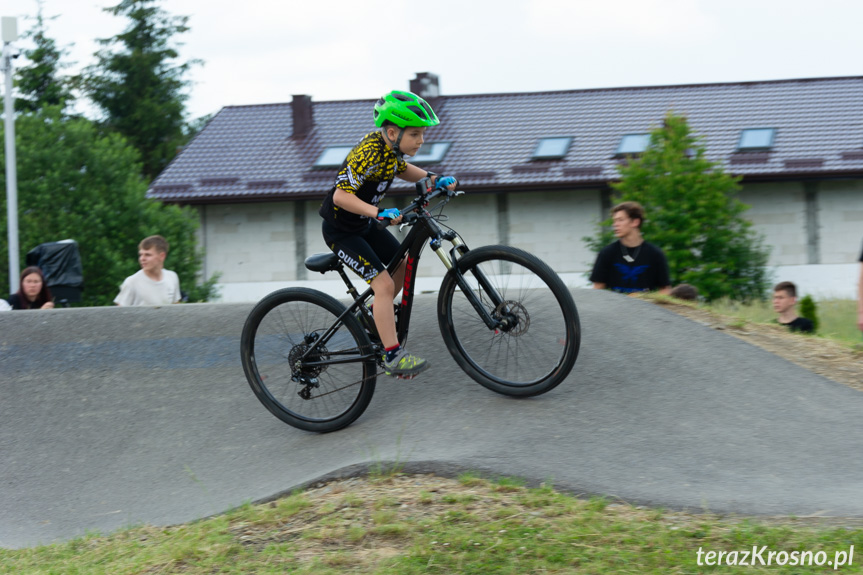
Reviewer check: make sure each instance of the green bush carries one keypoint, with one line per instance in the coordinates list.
(809, 310)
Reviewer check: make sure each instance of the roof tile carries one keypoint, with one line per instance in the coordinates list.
(248, 152)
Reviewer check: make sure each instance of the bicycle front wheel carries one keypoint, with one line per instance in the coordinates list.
(535, 343)
(306, 382)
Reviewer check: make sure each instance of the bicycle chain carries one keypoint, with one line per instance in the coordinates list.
(339, 388)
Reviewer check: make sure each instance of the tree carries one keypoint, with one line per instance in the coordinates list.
(139, 86)
(809, 310)
(40, 83)
(76, 182)
(694, 215)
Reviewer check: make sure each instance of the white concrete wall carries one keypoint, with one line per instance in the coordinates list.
(841, 221)
(778, 211)
(314, 240)
(253, 245)
(824, 281)
(552, 225)
(250, 242)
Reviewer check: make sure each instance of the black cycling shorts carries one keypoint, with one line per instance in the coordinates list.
(367, 252)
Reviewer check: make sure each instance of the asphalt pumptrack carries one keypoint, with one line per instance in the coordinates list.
(113, 417)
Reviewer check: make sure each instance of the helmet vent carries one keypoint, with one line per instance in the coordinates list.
(402, 97)
(429, 113)
(419, 112)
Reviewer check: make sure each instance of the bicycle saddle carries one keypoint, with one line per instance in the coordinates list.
(323, 262)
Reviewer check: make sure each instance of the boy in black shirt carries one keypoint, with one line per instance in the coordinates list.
(784, 302)
(630, 264)
(860, 296)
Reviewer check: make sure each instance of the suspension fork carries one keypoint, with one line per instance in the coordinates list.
(450, 261)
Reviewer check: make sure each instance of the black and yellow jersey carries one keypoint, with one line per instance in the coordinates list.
(367, 172)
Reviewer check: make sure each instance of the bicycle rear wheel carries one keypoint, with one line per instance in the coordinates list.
(320, 395)
(537, 343)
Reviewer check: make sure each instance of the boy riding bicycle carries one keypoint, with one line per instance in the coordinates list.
(350, 211)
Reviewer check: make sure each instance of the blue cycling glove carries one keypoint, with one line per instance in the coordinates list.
(389, 213)
(444, 182)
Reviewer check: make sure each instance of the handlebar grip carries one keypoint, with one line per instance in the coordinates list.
(383, 223)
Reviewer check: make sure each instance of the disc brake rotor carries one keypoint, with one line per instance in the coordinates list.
(515, 316)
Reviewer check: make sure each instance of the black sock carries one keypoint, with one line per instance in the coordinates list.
(391, 353)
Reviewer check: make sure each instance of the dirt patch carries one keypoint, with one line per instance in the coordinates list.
(822, 356)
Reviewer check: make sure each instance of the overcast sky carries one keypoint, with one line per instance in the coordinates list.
(264, 51)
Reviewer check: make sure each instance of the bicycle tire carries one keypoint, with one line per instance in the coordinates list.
(538, 350)
(277, 331)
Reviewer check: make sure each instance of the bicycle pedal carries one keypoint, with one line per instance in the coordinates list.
(402, 377)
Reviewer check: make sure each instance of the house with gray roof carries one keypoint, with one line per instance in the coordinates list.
(536, 168)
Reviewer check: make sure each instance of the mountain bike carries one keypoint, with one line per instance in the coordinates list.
(507, 319)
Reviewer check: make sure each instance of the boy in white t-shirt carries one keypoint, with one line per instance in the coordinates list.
(153, 284)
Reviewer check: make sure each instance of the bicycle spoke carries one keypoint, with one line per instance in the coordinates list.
(301, 378)
(534, 342)
(294, 322)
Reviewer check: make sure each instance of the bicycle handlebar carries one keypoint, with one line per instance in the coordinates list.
(426, 194)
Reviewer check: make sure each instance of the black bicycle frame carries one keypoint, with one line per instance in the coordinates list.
(424, 230)
(411, 246)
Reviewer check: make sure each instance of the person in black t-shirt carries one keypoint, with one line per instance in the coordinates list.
(860, 296)
(784, 302)
(630, 264)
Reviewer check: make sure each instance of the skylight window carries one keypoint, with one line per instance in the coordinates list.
(551, 148)
(756, 139)
(633, 144)
(430, 153)
(333, 157)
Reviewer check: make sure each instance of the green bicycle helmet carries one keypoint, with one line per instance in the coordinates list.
(404, 109)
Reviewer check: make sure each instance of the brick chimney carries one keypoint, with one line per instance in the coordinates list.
(301, 110)
(426, 85)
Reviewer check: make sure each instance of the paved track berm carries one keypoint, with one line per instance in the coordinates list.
(112, 417)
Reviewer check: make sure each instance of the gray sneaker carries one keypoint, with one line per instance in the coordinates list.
(405, 365)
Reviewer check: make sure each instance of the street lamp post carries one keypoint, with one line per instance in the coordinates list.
(10, 34)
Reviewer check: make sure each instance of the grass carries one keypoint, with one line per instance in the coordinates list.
(838, 318)
(409, 525)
